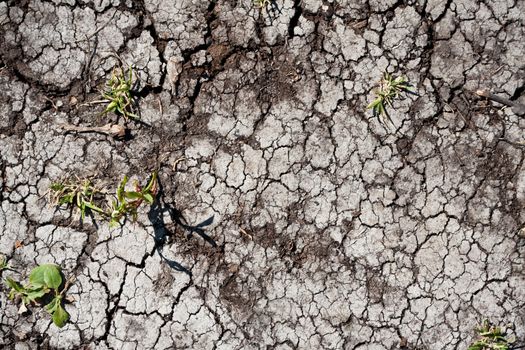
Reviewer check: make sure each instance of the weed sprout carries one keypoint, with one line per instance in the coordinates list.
(118, 93)
(490, 337)
(83, 194)
(45, 288)
(389, 88)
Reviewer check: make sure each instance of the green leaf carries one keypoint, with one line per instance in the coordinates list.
(403, 86)
(133, 195)
(120, 210)
(82, 210)
(111, 106)
(148, 198)
(380, 109)
(375, 103)
(26, 300)
(79, 203)
(68, 198)
(93, 207)
(53, 304)
(476, 346)
(3, 264)
(60, 316)
(114, 222)
(133, 116)
(36, 293)
(152, 181)
(55, 186)
(399, 80)
(47, 275)
(120, 189)
(14, 285)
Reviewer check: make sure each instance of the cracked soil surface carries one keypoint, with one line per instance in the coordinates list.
(297, 219)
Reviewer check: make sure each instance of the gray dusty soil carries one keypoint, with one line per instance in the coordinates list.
(297, 219)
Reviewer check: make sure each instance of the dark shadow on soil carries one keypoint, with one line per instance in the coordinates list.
(162, 233)
(273, 10)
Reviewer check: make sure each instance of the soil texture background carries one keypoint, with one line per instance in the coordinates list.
(289, 217)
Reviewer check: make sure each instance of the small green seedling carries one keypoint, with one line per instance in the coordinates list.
(490, 338)
(83, 194)
(389, 88)
(118, 93)
(127, 202)
(44, 288)
(80, 193)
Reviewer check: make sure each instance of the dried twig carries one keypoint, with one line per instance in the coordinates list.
(243, 231)
(68, 284)
(516, 108)
(181, 159)
(115, 130)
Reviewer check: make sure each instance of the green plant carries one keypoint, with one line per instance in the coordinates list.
(79, 193)
(118, 93)
(389, 88)
(127, 202)
(44, 288)
(83, 194)
(3, 264)
(490, 338)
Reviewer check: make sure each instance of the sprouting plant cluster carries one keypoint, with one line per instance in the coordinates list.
(80, 193)
(88, 197)
(491, 337)
(389, 88)
(45, 288)
(127, 202)
(117, 94)
(118, 97)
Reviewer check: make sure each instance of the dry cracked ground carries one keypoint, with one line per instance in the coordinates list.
(297, 219)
